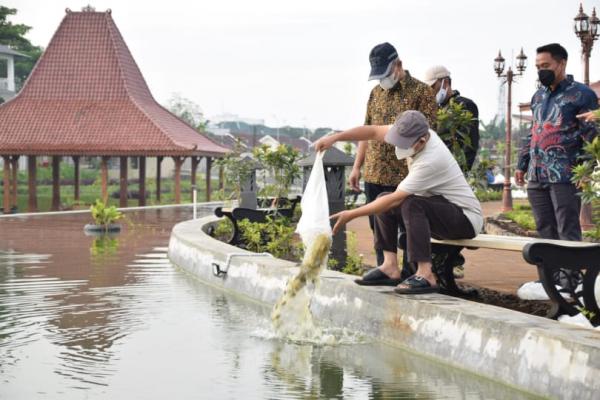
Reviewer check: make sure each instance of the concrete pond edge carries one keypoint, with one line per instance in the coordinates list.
(533, 354)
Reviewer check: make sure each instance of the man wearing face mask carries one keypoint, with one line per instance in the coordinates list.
(396, 92)
(439, 79)
(551, 150)
(433, 200)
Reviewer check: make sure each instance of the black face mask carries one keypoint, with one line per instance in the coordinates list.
(546, 77)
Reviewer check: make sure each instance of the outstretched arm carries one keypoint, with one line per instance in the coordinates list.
(365, 132)
(378, 206)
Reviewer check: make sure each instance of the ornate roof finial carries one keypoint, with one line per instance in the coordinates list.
(88, 8)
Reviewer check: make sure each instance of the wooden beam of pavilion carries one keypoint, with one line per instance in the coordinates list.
(123, 182)
(32, 183)
(6, 185)
(142, 182)
(55, 183)
(178, 162)
(15, 181)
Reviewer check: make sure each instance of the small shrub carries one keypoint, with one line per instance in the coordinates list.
(276, 236)
(104, 215)
(223, 230)
(354, 261)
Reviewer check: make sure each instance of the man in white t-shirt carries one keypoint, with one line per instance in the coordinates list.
(434, 200)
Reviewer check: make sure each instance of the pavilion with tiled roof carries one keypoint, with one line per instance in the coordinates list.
(87, 97)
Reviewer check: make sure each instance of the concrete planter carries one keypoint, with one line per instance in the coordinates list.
(531, 353)
(99, 230)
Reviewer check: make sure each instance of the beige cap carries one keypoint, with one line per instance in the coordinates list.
(435, 73)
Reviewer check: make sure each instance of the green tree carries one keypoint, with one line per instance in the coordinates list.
(13, 35)
(283, 167)
(586, 175)
(188, 111)
(236, 170)
(493, 130)
(453, 124)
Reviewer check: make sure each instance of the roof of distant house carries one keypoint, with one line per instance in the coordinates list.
(87, 96)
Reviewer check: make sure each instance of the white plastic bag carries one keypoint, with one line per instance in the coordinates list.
(291, 314)
(315, 205)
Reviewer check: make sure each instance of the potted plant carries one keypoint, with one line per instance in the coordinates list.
(104, 219)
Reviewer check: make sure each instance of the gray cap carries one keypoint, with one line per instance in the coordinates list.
(409, 126)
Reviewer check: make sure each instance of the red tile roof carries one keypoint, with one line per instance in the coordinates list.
(87, 96)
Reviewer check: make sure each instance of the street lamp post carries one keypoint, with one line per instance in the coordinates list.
(510, 76)
(586, 29)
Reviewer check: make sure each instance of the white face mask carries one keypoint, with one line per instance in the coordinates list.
(440, 96)
(388, 82)
(401, 154)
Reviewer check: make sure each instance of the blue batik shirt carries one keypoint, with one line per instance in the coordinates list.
(554, 144)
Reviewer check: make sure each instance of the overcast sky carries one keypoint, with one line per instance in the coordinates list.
(306, 62)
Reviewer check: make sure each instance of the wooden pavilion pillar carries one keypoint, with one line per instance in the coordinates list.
(6, 185)
(208, 173)
(32, 183)
(142, 182)
(55, 183)
(104, 177)
(158, 162)
(76, 178)
(15, 180)
(195, 162)
(221, 177)
(178, 161)
(123, 182)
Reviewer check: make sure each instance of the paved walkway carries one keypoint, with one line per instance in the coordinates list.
(504, 271)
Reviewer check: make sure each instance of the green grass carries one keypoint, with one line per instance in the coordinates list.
(89, 193)
(522, 216)
(488, 195)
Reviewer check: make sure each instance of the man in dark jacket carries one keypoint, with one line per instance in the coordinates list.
(439, 79)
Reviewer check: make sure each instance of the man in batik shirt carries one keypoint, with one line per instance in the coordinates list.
(396, 92)
(552, 149)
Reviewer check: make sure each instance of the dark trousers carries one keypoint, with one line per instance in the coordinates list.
(372, 191)
(555, 209)
(422, 218)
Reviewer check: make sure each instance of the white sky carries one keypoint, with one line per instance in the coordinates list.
(306, 62)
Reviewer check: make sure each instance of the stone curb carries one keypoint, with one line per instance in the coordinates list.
(531, 353)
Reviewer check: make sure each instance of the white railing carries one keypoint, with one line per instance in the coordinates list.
(3, 84)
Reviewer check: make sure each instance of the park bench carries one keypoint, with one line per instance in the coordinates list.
(256, 215)
(582, 258)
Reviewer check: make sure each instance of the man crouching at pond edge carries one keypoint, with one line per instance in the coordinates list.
(434, 200)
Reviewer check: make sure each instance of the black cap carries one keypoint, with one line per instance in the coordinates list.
(381, 58)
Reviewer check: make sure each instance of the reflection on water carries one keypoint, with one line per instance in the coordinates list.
(84, 317)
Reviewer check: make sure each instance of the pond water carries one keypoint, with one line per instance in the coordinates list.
(113, 319)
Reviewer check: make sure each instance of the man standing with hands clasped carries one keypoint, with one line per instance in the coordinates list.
(433, 200)
(550, 152)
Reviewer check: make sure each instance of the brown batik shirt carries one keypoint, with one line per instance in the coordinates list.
(381, 165)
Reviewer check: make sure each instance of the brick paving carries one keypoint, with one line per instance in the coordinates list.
(503, 271)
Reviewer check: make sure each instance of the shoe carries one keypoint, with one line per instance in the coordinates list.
(376, 277)
(535, 291)
(416, 285)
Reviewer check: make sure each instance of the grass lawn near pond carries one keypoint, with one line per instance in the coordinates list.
(89, 193)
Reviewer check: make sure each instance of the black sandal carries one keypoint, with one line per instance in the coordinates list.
(417, 285)
(376, 277)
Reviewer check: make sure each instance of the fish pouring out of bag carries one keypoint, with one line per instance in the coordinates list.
(291, 314)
